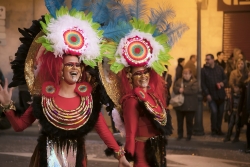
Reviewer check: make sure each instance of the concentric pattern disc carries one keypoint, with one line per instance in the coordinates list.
(73, 39)
(137, 51)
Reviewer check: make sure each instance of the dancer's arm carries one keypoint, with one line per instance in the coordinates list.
(20, 123)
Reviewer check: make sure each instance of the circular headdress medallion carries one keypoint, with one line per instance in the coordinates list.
(137, 51)
(75, 41)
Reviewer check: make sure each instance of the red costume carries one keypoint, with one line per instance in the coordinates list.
(140, 125)
(21, 123)
(57, 53)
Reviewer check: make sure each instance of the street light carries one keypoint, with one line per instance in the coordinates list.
(198, 121)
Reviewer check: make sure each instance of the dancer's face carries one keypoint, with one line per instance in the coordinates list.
(71, 69)
(140, 77)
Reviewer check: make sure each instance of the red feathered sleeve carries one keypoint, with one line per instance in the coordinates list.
(20, 123)
(131, 117)
(105, 134)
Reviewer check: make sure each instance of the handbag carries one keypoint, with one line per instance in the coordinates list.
(177, 100)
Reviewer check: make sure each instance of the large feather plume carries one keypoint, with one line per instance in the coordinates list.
(174, 32)
(159, 17)
(81, 5)
(116, 30)
(101, 12)
(138, 9)
(120, 12)
(53, 6)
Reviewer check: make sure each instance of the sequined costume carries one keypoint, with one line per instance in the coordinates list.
(56, 146)
(145, 130)
(139, 53)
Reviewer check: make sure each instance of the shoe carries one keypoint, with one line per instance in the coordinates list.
(235, 140)
(188, 138)
(226, 139)
(179, 138)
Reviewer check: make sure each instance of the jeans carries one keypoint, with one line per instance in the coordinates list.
(234, 120)
(217, 109)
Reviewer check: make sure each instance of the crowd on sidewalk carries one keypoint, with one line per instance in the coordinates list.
(225, 88)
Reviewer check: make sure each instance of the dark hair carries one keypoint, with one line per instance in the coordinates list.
(192, 56)
(219, 53)
(211, 55)
(180, 60)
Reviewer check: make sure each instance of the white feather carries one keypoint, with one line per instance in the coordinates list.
(157, 48)
(118, 122)
(57, 27)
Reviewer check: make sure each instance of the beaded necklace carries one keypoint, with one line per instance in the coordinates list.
(161, 118)
(67, 119)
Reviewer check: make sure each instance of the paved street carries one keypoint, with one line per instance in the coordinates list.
(202, 151)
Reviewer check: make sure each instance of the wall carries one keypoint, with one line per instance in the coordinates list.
(21, 13)
(211, 29)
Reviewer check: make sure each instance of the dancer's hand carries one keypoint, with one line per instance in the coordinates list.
(123, 162)
(5, 94)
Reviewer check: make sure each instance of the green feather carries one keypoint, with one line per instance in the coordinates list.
(44, 27)
(90, 63)
(116, 67)
(158, 67)
(48, 47)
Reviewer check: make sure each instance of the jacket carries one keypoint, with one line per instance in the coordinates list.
(190, 94)
(209, 78)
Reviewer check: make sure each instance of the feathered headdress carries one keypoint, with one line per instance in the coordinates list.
(74, 32)
(137, 43)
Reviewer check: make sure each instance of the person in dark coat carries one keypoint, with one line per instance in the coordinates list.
(179, 69)
(188, 86)
(246, 111)
(4, 123)
(168, 83)
(220, 61)
(213, 81)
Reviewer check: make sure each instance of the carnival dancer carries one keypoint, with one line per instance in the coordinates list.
(139, 53)
(66, 105)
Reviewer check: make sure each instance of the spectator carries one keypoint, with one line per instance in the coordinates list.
(239, 75)
(4, 123)
(189, 107)
(191, 65)
(231, 63)
(179, 69)
(220, 60)
(213, 80)
(168, 83)
(233, 113)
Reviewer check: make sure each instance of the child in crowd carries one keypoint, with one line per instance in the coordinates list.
(233, 113)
